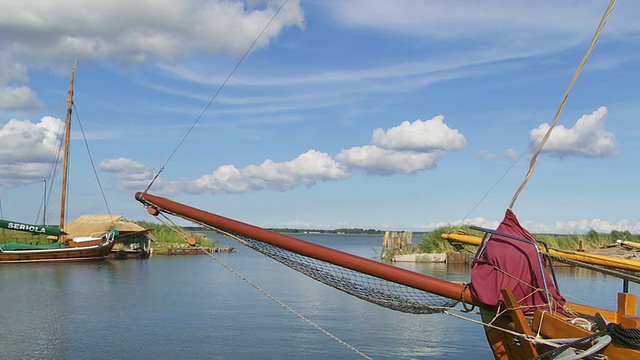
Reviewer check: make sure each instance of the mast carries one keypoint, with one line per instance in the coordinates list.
(67, 140)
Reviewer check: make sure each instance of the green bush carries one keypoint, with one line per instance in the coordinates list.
(166, 235)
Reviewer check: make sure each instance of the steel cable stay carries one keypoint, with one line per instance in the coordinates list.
(215, 95)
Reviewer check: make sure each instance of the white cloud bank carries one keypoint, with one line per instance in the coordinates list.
(407, 148)
(48, 34)
(29, 149)
(558, 227)
(306, 169)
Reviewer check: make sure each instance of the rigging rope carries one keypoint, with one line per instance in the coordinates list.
(93, 165)
(285, 306)
(532, 164)
(215, 95)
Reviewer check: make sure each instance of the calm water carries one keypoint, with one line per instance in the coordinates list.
(190, 307)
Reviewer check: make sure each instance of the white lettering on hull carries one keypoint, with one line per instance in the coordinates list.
(25, 227)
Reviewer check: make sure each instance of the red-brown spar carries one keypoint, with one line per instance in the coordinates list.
(414, 280)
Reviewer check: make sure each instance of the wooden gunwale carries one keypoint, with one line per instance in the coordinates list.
(88, 253)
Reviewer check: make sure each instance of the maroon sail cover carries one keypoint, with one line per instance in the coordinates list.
(509, 263)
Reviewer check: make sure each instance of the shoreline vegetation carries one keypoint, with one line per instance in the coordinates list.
(167, 239)
(432, 242)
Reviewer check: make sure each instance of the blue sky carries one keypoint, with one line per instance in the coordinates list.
(399, 115)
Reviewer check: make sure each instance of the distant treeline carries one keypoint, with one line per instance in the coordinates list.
(164, 233)
(320, 231)
(306, 231)
(430, 242)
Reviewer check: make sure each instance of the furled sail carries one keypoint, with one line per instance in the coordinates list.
(512, 259)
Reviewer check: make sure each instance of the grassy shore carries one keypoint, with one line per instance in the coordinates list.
(434, 243)
(167, 238)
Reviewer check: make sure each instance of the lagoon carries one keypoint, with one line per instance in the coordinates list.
(191, 307)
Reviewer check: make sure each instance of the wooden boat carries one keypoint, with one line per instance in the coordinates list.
(516, 328)
(86, 248)
(512, 286)
(56, 252)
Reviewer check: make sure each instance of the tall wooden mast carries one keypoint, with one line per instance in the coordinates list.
(67, 140)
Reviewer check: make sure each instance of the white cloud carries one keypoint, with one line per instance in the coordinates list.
(420, 136)
(511, 154)
(28, 149)
(130, 174)
(406, 148)
(558, 227)
(487, 155)
(20, 97)
(587, 138)
(379, 161)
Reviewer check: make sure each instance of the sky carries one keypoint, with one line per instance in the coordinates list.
(324, 114)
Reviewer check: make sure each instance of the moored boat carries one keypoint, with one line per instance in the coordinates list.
(85, 248)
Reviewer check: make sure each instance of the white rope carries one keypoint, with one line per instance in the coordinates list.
(288, 308)
(538, 339)
(532, 164)
(514, 333)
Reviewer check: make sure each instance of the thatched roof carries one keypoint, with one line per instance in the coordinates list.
(87, 225)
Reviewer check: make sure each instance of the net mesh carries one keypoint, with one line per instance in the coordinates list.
(370, 288)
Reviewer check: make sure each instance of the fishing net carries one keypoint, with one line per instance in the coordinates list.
(366, 287)
(373, 285)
